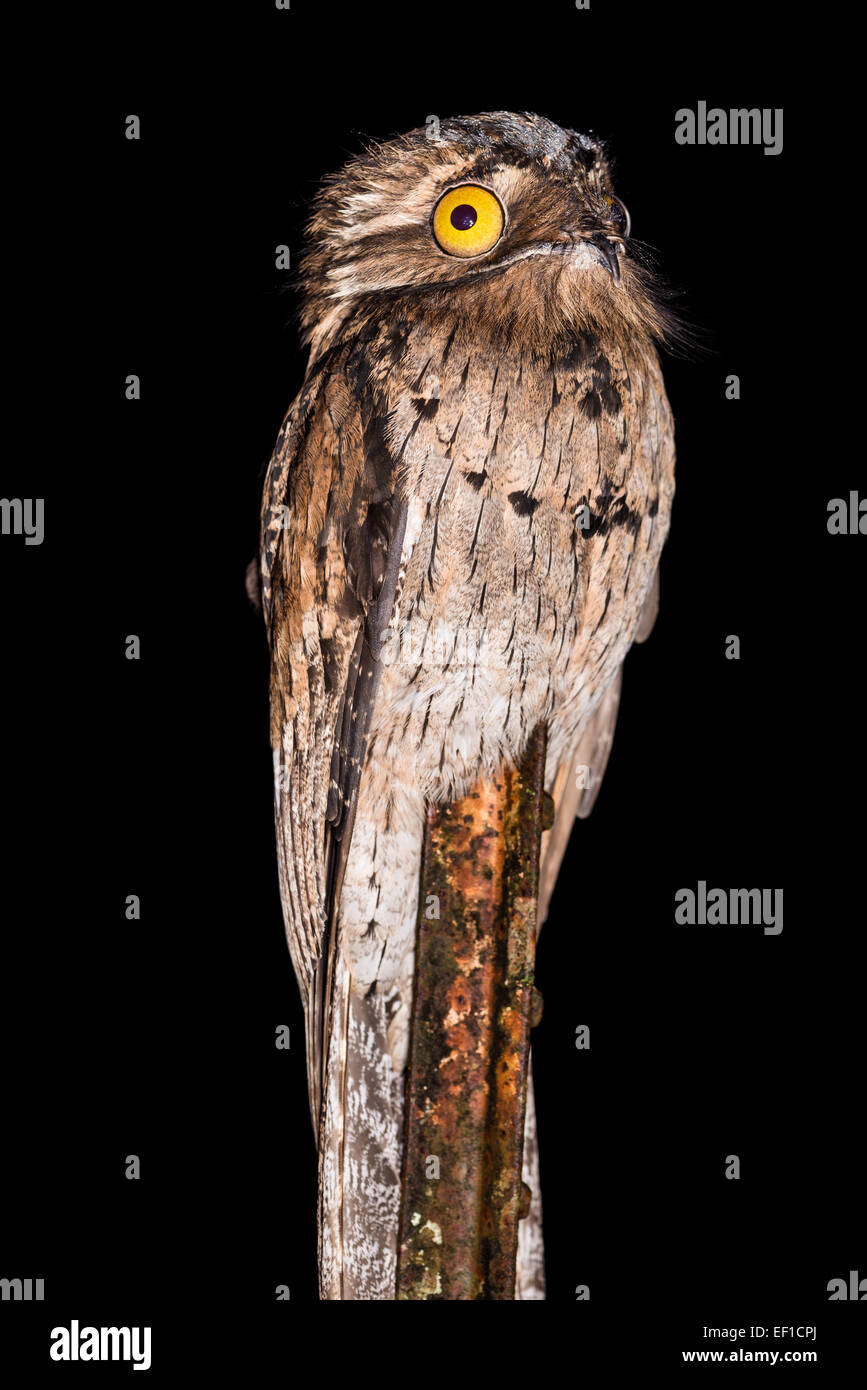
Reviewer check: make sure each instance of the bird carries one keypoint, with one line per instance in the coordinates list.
(461, 530)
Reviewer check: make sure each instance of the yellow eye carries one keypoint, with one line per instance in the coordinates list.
(468, 221)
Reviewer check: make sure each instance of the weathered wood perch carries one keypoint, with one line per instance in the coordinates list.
(461, 1192)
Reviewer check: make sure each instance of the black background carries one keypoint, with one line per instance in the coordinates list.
(153, 777)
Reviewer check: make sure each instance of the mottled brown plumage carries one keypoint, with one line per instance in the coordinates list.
(461, 529)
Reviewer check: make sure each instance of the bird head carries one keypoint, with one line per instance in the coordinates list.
(502, 222)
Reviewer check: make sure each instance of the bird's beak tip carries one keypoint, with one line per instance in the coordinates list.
(608, 255)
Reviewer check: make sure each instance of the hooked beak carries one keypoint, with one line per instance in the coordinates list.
(607, 248)
(607, 251)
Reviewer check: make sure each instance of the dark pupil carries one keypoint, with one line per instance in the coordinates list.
(464, 217)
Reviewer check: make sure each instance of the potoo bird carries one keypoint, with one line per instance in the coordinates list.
(462, 524)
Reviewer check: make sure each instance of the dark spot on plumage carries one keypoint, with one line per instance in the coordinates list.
(610, 510)
(653, 505)
(611, 402)
(448, 347)
(601, 369)
(523, 503)
(555, 395)
(426, 408)
(591, 405)
(476, 480)
(578, 357)
(465, 374)
(397, 331)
